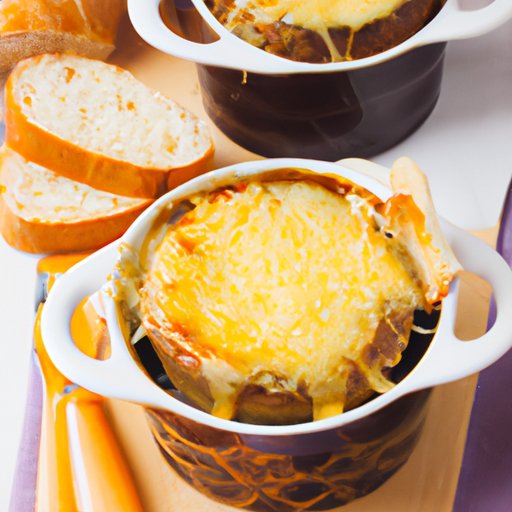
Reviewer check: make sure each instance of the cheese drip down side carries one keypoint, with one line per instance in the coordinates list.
(319, 14)
(281, 279)
(316, 15)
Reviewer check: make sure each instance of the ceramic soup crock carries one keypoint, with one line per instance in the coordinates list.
(308, 466)
(277, 107)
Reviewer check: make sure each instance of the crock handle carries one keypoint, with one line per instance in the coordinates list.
(227, 51)
(449, 358)
(116, 377)
(454, 23)
(120, 377)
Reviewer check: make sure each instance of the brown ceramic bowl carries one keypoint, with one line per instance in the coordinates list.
(277, 107)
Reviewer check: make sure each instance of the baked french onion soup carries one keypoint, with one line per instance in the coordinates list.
(287, 299)
(324, 30)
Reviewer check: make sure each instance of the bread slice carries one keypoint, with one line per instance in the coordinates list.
(413, 221)
(95, 123)
(32, 27)
(42, 212)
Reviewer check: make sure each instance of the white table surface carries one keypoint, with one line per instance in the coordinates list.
(465, 148)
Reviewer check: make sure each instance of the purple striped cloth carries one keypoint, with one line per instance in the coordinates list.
(23, 494)
(485, 481)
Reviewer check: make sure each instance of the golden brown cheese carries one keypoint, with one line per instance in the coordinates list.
(94, 20)
(283, 278)
(320, 15)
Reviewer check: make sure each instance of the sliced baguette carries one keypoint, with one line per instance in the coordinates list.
(95, 123)
(32, 27)
(42, 212)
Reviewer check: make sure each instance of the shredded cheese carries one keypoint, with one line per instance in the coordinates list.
(287, 278)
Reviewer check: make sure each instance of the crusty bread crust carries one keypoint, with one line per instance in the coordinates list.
(32, 27)
(96, 19)
(22, 227)
(16, 46)
(433, 260)
(74, 162)
(63, 237)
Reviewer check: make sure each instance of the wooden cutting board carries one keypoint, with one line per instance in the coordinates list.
(427, 482)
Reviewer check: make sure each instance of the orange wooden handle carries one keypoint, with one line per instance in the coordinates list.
(101, 475)
(81, 466)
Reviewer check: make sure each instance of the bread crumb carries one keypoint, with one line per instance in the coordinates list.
(70, 73)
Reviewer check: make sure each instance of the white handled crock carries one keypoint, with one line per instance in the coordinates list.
(447, 359)
(229, 51)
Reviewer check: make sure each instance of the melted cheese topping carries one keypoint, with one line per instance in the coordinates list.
(284, 278)
(319, 14)
(316, 15)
